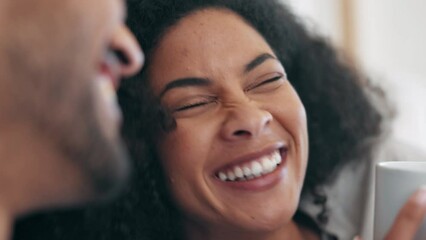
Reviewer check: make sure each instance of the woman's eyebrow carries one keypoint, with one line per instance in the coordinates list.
(195, 81)
(257, 61)
(185, 82)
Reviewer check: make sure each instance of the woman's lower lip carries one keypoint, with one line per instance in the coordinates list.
(261, 183)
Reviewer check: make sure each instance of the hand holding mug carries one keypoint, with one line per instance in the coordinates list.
(400, 201)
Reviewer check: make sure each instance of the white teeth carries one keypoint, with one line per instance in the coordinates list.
(254, 169)
(231, 176)
(222, 176)
(277, 158)
(247, 171)
(273, 168)
(238, 172)
(267, 165)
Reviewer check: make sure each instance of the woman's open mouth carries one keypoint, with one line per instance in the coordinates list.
(252, 170)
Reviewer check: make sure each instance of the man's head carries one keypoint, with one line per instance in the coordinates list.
(59, 64)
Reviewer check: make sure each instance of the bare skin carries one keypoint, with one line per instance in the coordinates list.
(409, 218)
(219, 118)
(60, 143)
(230, 118)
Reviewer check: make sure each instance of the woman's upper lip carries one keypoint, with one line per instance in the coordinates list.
(263, 151)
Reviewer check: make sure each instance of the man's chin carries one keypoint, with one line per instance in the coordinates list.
(108, 166)
(100, 158)
(108, 178)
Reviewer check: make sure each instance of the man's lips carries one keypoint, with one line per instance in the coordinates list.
(110, 67)
(106, 83)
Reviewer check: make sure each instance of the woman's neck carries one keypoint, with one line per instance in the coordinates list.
(289, 232)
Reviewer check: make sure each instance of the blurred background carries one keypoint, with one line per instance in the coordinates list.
(386, 40)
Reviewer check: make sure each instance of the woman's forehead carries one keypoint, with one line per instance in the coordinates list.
(206, 41)
(213, 29)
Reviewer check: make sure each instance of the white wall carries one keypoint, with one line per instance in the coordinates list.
(390, 45)
(320, 16)
(391, 36)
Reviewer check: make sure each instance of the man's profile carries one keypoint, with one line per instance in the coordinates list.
(59, 120)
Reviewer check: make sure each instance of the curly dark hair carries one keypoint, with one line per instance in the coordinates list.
(342, 121)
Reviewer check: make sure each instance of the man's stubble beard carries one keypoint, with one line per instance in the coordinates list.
(58, 100)
(104, 161)
(47, 69)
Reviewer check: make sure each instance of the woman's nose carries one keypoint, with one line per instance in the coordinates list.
(127, 49)
(245, 121)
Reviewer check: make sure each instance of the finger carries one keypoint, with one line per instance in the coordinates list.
(409, 217)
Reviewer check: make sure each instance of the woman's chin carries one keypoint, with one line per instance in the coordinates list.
(261, 219)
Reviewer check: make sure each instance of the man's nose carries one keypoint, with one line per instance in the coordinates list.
(128, 50)
(245, 120)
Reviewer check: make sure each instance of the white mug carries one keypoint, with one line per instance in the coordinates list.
(395, 182)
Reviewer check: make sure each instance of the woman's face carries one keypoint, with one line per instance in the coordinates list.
(238, 155)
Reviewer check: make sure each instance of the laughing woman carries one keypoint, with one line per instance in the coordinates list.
(232, 88)
(218, 125)
(235, 160)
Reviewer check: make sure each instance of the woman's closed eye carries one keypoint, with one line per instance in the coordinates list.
(195, 103)
(266, 85)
